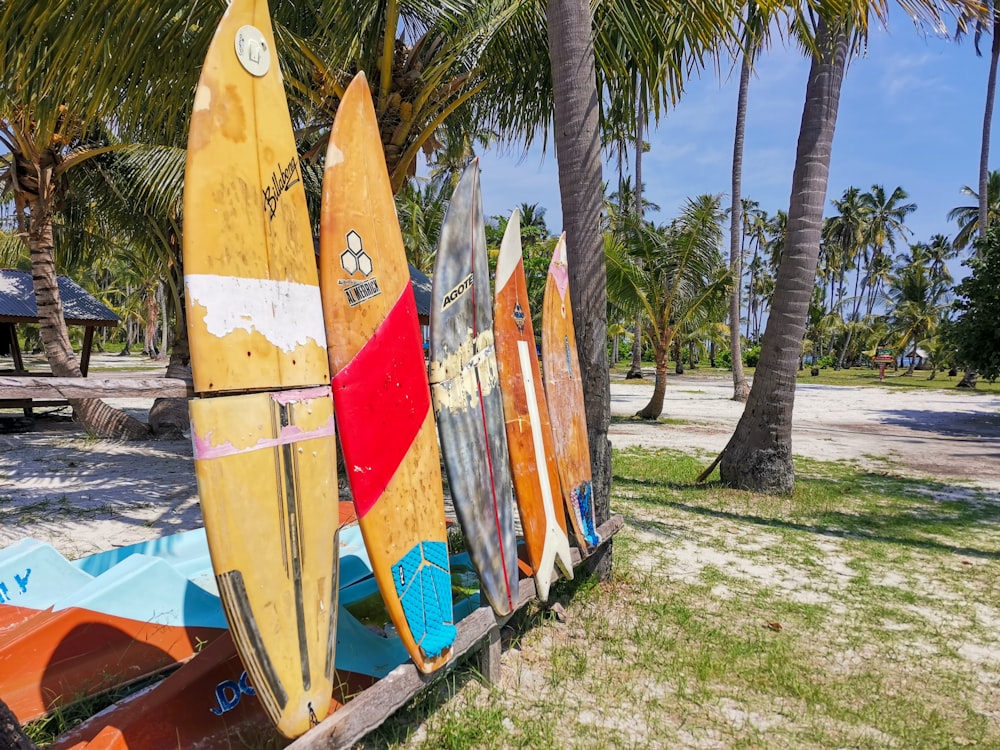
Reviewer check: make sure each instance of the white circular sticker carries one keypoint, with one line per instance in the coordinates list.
(252, 50)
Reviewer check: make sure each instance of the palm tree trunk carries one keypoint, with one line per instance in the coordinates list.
(640, 116)
(96, 417)
(843, 351)
(759, 454)
(152, 317)
(11, 734)
(635, 369)
(654, 408)
(984, 149)
(161, 301)
(168, 417)
(578, 151)
(741, 388)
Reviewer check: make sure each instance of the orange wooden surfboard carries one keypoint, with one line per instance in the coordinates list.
(564, 392)
(380, 385)
(263, 430)
(529, 430)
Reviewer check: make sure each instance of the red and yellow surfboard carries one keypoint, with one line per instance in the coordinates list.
(380, 389)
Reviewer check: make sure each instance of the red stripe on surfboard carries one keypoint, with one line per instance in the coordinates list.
(381, 400)
(486, 432)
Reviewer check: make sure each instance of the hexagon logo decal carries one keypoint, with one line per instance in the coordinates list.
(354, 259)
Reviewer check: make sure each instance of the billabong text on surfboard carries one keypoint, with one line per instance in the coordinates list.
(281, 180)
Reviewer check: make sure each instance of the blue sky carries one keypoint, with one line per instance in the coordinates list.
(910, 115)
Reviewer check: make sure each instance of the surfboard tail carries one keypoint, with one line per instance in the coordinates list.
(555, 554)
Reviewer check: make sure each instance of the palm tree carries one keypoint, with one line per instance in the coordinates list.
(420, 206)
(620, 205)
(940, 250)
(983, 23)
(755, 23)
(616, 132)
(917, 305)
(670, 45)
(967, 217)
(938, 352)
(427, 63)
(50, 110)
(668, 273)
(581, 187)
(885, 217)
(844, 233)
(533, 228)
(759, 454)
(755, 227)
(138, 191)
(456, 141)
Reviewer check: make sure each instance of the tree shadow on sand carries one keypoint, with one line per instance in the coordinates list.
(973, 425)
(923, 515)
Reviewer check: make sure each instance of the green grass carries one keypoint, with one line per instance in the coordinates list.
(863, 376)
(46, 730)
(853, 614)
(661, 420)
(855, 376)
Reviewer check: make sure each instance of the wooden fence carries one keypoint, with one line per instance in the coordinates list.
(28, 392)
(478, 635)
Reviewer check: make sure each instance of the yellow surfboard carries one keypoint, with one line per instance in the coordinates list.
(262, 426)
(380, 385)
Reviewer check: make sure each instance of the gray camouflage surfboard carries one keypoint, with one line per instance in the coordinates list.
(466, 395)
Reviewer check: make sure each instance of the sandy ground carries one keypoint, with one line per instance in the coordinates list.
(945, 435)
(83, 495)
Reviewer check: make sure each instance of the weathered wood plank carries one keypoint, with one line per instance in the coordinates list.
(489, 656)
(368, 711)
(22, 387)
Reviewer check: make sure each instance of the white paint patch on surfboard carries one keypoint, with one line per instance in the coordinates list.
(334, 155)
(556, 548)
(283, 312)
(202, 98)
(510, 250)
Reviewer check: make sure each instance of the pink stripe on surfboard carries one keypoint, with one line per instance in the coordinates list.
(300, 394)
(558, 268)
(205, 450)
